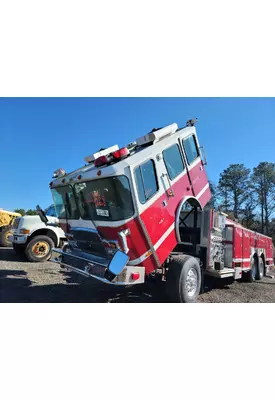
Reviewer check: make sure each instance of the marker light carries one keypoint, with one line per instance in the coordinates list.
(135, 276)
(59, 173)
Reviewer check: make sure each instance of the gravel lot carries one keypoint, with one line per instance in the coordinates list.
(21, 281)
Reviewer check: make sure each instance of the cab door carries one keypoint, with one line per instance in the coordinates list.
(196, 169)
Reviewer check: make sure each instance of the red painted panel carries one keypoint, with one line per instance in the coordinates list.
(246, 244)
(165, 249)
(158, 217)
(237, 239)
(198, 178)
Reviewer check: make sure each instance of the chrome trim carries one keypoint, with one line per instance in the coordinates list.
(86, 230)
(79, 271)
(203, 155)
(123, 235)
(169, 183)
(86, 274)
(73, 255)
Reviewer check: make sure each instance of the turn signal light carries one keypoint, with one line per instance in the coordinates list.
(25, 231)
(135, 276)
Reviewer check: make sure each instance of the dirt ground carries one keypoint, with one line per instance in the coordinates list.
(21, 281)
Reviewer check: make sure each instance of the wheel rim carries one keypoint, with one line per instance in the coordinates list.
(191, 283)
(41, 249)
(7, 235)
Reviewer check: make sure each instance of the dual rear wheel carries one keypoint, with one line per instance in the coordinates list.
(256, 271)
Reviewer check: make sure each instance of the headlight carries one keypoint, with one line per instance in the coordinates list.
(24, 231)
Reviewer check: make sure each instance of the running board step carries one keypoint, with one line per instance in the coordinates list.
(224, 273)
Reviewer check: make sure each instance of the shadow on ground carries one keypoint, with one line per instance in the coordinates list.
(15, 286)
(8, 254)
(22, 291)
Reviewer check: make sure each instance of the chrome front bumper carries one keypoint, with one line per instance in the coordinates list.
(91, 266)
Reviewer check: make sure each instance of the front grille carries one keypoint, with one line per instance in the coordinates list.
(16, 223)
(86, 236)
(89, 242)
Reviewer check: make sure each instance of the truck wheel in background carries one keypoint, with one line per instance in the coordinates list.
(250, 276)
(260, 269)
(19, 249)
(5, 232)
(39, 248)
(183, 279)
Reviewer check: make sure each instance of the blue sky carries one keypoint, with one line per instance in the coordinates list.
(39, 135)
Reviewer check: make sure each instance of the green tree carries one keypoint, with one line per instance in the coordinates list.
(20, 211)
(31, 212)
(264, 185)
(213, 189)
(248, 213)
(232, 188)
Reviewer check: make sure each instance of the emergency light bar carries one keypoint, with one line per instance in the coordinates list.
(157, 135)
(105, 152)
(112, 157)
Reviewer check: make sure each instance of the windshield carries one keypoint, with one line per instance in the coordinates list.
(50, 212)
(107, 199)
(64, 201)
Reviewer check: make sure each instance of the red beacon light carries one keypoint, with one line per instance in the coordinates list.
(121, 153)
(103, 160)
(112, 157)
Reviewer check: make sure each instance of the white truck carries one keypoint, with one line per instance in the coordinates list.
(30, 236)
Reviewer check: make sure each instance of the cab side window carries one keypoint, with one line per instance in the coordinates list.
(191, 149)
(146, 181)
(173, 161)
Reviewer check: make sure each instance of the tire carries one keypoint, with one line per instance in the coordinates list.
(260, 269)
(5, 232)
(184, 279)
(39, 248)
(250, 276)
(18, 248)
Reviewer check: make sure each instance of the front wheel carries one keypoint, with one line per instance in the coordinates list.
(39, 249)
(184, 279)
(5, 233)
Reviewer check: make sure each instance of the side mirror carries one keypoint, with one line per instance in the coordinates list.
(41, 214)
(118, 262)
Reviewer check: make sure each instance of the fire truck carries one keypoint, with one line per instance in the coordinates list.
(141, 211)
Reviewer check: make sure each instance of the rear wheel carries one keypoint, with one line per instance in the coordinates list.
(39, 248)
(5, 233)
(260, 269)
(184, 279)
(250, 276)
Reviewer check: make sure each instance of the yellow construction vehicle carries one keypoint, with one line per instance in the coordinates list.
(6, 221)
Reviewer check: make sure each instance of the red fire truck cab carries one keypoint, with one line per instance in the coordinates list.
(138, 211)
